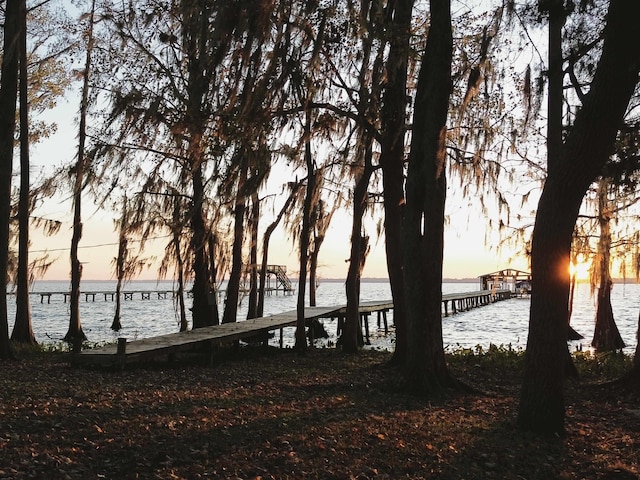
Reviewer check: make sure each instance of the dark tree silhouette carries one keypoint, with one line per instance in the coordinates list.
(22, 328)
(425, 368)
(75, 335)
(392, 161)
(8, 98)
(584, 152)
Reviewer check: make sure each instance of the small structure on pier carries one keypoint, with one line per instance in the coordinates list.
(517, 281)
(277, 279)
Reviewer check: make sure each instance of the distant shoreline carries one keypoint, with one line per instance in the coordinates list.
(321, 280)
(328, 280)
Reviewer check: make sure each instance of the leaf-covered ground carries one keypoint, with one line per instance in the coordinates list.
(278, 415)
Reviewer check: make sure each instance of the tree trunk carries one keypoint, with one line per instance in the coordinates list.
(212, 241)
(184, 324)
(300, 337)
(392, 152)
(425, 368)
(320, 225)
(176, 227)
(252, 307)
(22, 328)
(587, 147)
(233, 285)
(634, 374)
(201, 311)
(195, 34)
(8, 97)
(116, 325)
(313, 271)
(75, 335)
(359, 247)
(572, 334)
(606, 336)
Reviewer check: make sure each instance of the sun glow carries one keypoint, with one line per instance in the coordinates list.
(580, 270)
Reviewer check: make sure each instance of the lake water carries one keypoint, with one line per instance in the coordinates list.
(503, 323)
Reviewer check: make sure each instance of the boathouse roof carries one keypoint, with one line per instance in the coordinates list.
(505, 273)
(505, 278)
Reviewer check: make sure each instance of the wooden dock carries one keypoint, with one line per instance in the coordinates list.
(461, 302)
(169, 345)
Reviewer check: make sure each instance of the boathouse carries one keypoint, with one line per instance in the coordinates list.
(517, 281)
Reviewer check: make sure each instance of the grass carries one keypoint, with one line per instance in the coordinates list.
(277, 415)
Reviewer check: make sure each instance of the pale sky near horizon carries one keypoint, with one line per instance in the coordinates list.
(466, 256)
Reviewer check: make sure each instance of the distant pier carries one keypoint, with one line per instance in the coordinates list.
(276, 281)
(107, 295)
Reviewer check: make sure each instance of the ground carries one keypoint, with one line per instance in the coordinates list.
(279, 415)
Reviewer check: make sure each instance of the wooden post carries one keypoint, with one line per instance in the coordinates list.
(365, 319)
(382, 315)
(122, 347)
(77, 345)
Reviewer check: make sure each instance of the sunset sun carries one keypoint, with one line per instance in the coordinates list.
(580, 270)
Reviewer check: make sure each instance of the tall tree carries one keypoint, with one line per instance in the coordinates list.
(22, 328)
(584, 152)
(425, 368)
(75, 334)
(8, 99)
(195, 38)
(392, 161)
(311, 193)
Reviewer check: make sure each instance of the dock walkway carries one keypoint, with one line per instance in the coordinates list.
(171, 344)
